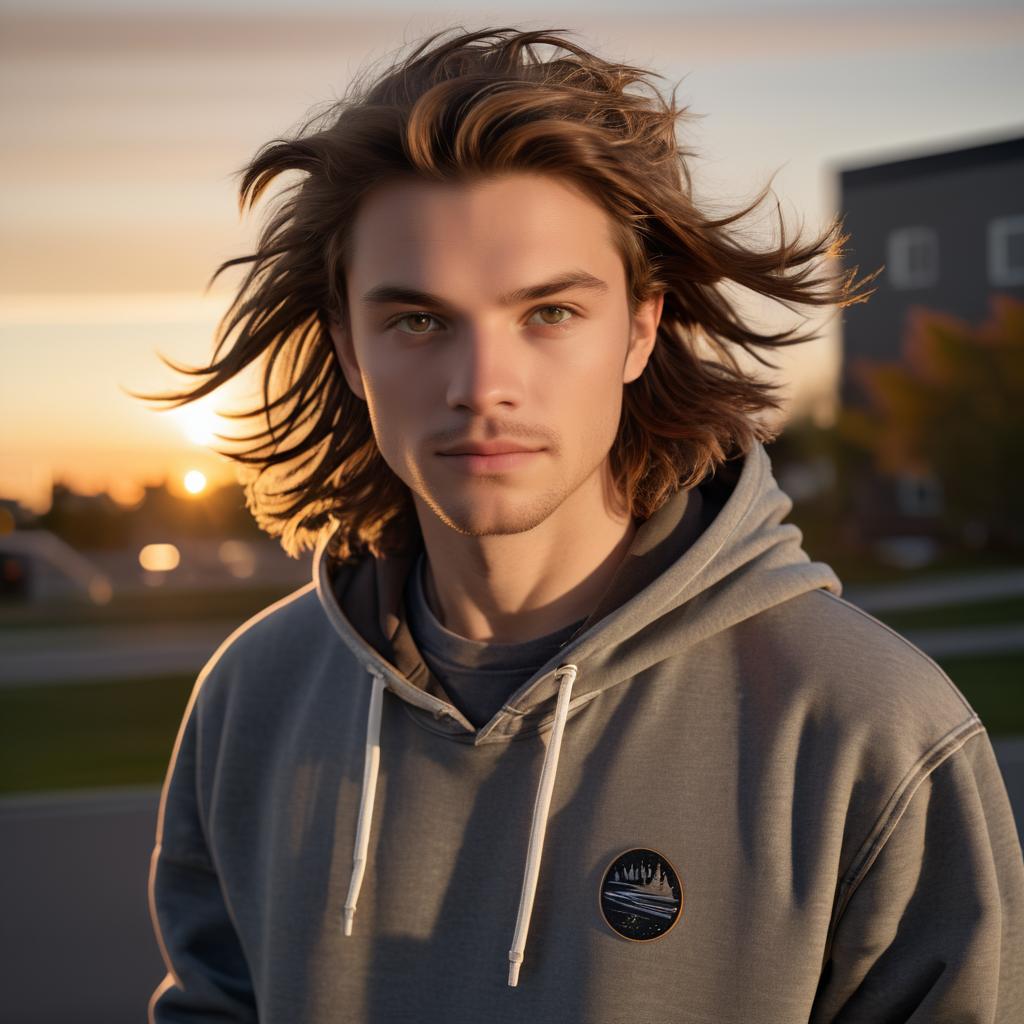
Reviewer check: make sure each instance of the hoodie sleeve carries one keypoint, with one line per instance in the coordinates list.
(208, 976)
(934, 931)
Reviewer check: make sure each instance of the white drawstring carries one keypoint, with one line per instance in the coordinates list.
(540, 824)
(371, 765)
(541, 807)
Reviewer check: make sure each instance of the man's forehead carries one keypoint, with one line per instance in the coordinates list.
(523, 189)
(390, 293)
(516, 232)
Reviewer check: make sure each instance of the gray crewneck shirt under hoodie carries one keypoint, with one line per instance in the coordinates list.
(476, 674)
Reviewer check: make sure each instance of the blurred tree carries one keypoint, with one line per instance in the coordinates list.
(90, 522)
(818, 469)
(953, 408)
(83, 520)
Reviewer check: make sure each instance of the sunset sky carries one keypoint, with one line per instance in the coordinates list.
(124, 123)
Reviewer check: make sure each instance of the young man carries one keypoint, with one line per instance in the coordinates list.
(567, 725)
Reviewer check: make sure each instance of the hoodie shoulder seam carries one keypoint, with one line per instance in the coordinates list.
(893, 811)
(254, 620)
(910, 646)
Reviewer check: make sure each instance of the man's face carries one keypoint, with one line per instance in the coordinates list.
(469, 360)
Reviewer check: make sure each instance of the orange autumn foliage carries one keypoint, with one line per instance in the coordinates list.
(953, 407)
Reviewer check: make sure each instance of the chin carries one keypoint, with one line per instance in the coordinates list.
(495, 515)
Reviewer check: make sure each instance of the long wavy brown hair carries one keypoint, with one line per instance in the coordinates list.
(477, 103)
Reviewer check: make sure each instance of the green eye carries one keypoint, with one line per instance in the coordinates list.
(424, 319)
(560, 309)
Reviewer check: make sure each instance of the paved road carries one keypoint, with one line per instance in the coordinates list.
(77, 941)
(89, 653)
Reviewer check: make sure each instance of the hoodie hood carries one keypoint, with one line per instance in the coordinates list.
(706, 560)
(744, 561)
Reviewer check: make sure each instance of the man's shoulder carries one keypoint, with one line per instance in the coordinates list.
(289, 621)
(280, 634)
(860, 674)
(868, 714)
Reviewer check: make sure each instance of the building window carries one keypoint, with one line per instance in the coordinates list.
(1006, 251)
(913, 258)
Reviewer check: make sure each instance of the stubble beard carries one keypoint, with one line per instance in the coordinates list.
(492, 514)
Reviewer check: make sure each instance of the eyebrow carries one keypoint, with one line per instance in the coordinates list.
(396, 293)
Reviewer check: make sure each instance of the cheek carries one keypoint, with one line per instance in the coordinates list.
(600, 383)
(389, 411)
(588, 408)
(385, 381)
(397, 402)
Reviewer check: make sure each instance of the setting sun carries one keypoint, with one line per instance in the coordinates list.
(199, 422)
(195, 481)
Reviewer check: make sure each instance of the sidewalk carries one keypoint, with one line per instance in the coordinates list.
(942, 643)
(972, 588)
(944, 591)
(89, 653)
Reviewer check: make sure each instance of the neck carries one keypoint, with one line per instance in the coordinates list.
(514, 587)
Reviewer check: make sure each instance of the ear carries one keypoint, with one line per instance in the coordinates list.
(342, 341)
(643, 334)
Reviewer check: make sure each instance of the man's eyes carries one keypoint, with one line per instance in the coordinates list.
(420, 318)
(561, 309)
(413, 316)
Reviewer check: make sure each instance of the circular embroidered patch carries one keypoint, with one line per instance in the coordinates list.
(641, 896)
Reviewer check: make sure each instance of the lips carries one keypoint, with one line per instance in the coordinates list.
(502, 462)
(487, 448)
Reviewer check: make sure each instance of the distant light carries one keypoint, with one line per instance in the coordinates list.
(195, 481)
(159, 557)
(238, 558)
(100, 590)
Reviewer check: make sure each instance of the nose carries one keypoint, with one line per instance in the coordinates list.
(487, 369)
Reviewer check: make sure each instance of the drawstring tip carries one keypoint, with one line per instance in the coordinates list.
(513, 970)
(350, 913)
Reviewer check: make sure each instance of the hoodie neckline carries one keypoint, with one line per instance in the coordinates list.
(741, 536)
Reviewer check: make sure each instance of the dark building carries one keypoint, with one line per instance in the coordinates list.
(949, 229)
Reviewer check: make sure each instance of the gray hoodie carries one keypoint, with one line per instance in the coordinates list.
(732, 797)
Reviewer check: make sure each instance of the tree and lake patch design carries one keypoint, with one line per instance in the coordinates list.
(641, 896)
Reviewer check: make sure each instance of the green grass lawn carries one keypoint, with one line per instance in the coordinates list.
(155, 606)
(84, 735)
(994, 686)
(81, 735)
